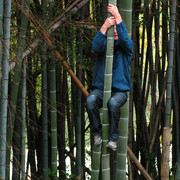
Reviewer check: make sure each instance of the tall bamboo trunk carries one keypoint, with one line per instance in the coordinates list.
(53, 106)
(44, 101)
(44, 112)
(125, 8)
(4, 89)
(167, 123)
(23, 117)
(96, 158)
(53, 118)
(16, 141)
(177, 125)
(106, 97)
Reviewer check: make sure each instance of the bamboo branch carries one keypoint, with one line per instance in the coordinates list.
(138, 164)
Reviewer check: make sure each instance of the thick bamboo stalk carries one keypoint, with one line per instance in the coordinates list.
(106, 97)
(4, 88)
(171, 53)
(44, 112)
(122, 142)
(44, 101)
(177, 134)
(53, 104)
(125, 8)
(96, 156)
(167, 123)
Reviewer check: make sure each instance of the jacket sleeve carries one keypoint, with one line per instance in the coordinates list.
(99, 42)
(123, 39)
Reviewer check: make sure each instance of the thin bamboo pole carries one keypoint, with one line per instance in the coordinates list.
(78, 120)
(23, 117)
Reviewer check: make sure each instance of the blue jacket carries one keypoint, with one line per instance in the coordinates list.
(123, 49)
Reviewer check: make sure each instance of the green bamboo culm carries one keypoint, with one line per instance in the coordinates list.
(4, 87)
(53, 106)
(106, 97)
(169, 83)
(96, 156)
(44, 99)
(125, 9)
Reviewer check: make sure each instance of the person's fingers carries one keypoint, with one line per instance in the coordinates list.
(112, 18)
(110, 5)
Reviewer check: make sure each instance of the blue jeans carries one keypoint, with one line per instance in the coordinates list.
(95, 101)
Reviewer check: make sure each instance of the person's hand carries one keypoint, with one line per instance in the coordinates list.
(113, 10)
(107, 24)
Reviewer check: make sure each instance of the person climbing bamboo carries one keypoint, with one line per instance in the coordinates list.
(121, 83)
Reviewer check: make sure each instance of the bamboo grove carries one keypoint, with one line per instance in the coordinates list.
(46, 67)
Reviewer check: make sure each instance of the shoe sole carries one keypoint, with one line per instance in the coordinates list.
(98, 144)
(114, 149)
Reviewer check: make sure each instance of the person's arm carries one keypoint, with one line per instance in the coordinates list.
(99, 42)
(124, 41)
(107, 24)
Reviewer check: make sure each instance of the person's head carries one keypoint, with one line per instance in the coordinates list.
(115, 33)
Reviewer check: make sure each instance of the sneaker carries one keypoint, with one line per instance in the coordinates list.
(112, 145)
(97, 140)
